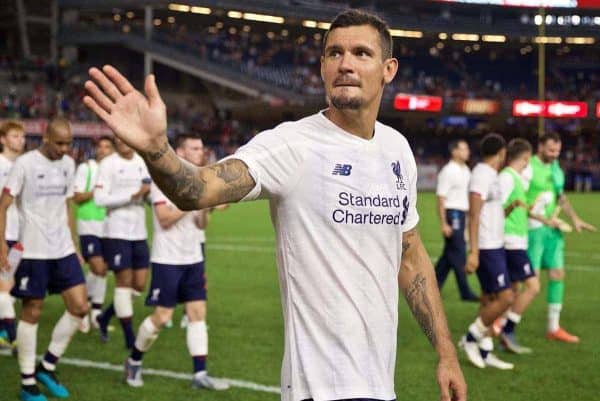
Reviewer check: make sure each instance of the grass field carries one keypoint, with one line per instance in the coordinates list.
(246, 329)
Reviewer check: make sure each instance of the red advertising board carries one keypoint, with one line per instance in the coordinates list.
(477, 106)
(536, 108)
(408, 102)
(598, 109)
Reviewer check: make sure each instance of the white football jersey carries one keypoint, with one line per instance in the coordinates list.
(41, 188)
(453, 184)
(340, 205)
(12, 214)
(485, 182)
(178, 244)
(87, 227)
(118, 179)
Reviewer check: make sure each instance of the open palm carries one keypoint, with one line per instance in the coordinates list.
(140, 121)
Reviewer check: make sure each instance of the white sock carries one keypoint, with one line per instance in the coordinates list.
(146, 335)
(123, 303)
(7, 309)
(66, 326)
(100, 291)
(486, 344)
(26, 344)
(197, 338)
(554, 317)
(478, 329)
(90, 284)
(513, 316)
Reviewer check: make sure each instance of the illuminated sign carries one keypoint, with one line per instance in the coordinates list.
(408, 102)
(535, 108)
(477, 106)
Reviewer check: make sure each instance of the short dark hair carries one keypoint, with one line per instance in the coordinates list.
(550, 136)
(180, 139)
(491, 145)
(354, 17)
(516, 148)
(105, 138)
(453, 145)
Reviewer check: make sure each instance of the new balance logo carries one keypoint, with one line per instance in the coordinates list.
(90, 248)
(527, 268)
(342, 169)
(23, 283)
(501, 281)
(155, 293)
(118, 259)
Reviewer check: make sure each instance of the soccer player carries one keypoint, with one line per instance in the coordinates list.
(12, 137)
(453, 202)
(514, 200)
(178, 276)
(90, 225)
(41, 182)
(342, 192)
(486, 253)
(122, 186)
(546, 198)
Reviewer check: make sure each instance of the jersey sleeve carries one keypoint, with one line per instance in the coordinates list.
(273, 161)
(480, 184)
(507, 185)
(16, 178)
(444, 182)
(103, 191)
(412, 215)
(157, 197)
(558, 178)
(70, 178)
(81, 175)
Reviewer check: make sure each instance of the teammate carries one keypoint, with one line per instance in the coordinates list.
(514, 200)
(12, 137)
(178, 276)
(486, 253)
(41, 182)
(122, 186)
(342, 191)
(546, 198)
(90, 225)
(453, 202)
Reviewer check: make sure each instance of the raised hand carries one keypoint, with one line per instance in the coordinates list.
(139, 120)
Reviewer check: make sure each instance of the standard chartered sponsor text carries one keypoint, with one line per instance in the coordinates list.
(345, 215)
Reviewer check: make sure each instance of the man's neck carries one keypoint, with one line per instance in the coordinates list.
(458, 161)
(493, 162)
(126, 156)
(9, 154)
(360, 123)
(44, 151)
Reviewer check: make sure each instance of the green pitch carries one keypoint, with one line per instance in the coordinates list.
(246, 329)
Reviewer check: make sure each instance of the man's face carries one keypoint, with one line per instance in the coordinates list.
(123, 149)
(192, 150)
(550, 150)
(58, 142)
(353, 69)
(462, 151)
(14, 140)
(104, 148)
(523, 161)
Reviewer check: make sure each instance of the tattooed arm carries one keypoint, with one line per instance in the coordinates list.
(190, 187)
(418, 284)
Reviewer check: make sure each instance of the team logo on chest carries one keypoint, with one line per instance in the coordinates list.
(397, 170)
(342, 169)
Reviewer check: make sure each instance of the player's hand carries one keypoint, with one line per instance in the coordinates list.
(553, 223)
(519, 203)
(451, 380)
(472, 262)
(139, 120)
(446, 230)
(4, 266)
(581, 225)
(144, 190)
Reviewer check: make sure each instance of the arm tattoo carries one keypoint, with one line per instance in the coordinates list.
(420, 305)
(235, 177)
(406, 239)
(154, 156)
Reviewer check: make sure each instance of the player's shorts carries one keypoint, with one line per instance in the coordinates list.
(10, 243)
(546, 248)
(36, 277)
(91, 246)
(493, 272)
(173, 284)
(519, 265)
(122, 254)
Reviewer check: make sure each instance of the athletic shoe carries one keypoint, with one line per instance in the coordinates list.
(93, 315)
(472, 350)
(4, 342)
(562, 335)
(133, 374)
(493, 361)
(49, 380)
(184, 321)
(204, 381)
(84, 326)
(169, 324)
(31, 393)
(102, 328)
(510, 343)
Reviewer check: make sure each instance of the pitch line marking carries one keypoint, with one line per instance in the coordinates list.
(84, 363)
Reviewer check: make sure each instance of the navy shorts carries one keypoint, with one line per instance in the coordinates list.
(122, 254)
(10, 243)
(519, 265)
(36, 277)
(493, 272)
(174, 284)
(90, 246)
